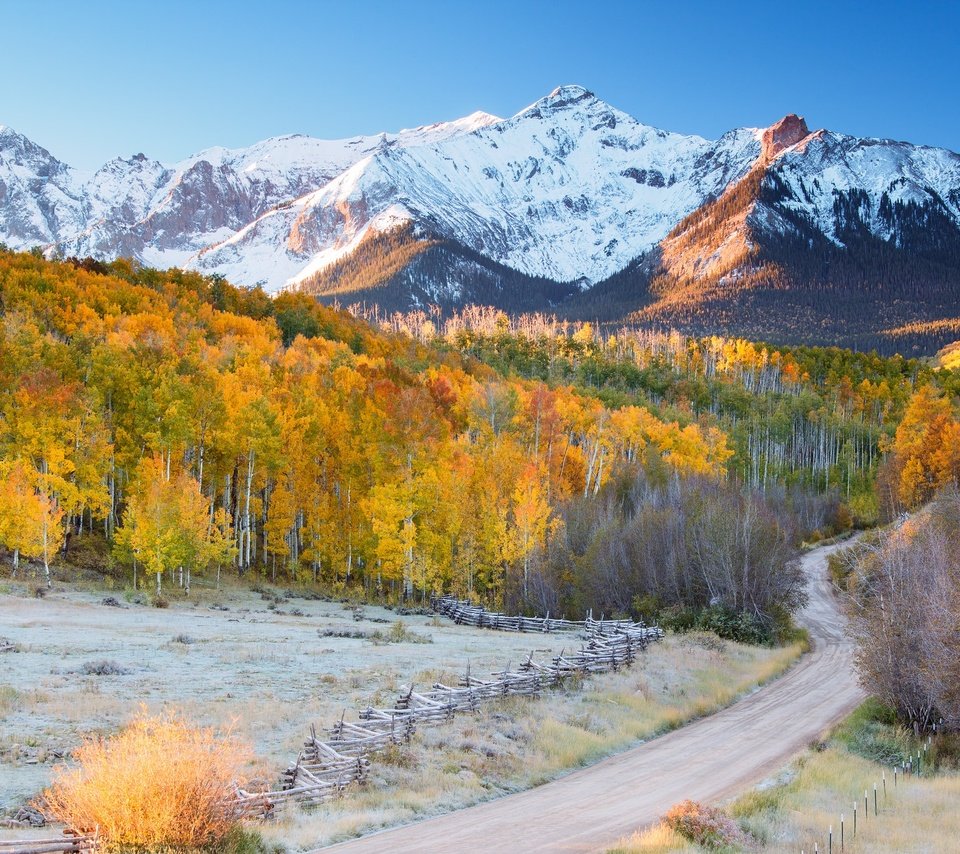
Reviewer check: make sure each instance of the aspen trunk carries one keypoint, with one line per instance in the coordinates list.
(247, 522)
(46, 560)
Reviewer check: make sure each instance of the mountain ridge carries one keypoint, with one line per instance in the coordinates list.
(569, 191)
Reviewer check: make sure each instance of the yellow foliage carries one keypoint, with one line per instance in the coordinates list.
(159, 782)
(926, 446)
(24, 512)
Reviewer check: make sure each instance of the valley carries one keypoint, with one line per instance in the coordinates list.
(576, 468)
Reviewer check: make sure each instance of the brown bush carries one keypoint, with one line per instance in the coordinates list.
(159, 782)
(708, 826)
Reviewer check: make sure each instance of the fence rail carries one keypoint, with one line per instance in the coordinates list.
(67, 844)
(468, 614)
(325, 767)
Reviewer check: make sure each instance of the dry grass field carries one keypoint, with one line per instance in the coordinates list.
(268, 666)
(921, 817)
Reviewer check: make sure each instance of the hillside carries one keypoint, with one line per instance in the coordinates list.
(192, 422)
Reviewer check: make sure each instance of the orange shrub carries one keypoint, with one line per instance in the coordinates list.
(159, 781)
(708, 826)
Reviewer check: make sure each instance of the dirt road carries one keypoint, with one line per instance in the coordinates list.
(708, 760)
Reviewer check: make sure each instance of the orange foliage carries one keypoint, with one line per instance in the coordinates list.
(926, 447)
(159, 782)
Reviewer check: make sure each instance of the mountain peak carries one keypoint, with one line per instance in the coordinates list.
(7, 133)
(782, 134)
(571, 91)
(561, 97)
(475, 120)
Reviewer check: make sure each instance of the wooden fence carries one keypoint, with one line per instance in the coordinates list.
(468, 614)
(325, 767)
(86, 842)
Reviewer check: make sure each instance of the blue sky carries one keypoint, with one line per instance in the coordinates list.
(90, 80)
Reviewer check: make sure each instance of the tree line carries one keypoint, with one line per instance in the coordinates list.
(821, 417)
(193, 424)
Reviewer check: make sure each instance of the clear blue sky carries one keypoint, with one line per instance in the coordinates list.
(90, 80)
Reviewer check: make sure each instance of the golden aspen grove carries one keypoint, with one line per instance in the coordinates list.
(196, 428)
(193, 424)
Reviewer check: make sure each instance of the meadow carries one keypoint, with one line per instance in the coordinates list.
(268, 665)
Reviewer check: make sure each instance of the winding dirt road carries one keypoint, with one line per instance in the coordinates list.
(708, 760)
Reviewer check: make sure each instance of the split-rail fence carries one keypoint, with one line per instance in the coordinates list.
(325, 767)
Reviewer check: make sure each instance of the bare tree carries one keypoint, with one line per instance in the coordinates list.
(904, 603)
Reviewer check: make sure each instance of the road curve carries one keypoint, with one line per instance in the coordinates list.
(708, 760)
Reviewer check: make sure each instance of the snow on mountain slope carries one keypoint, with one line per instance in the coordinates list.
(569, 189)
(881, 172)
(210, 196)
(40, 197)
(164, 214)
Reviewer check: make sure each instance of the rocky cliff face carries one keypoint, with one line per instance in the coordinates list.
(782, 135)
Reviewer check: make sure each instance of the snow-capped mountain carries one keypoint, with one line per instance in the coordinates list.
(569, 189)
(163, 215)
(40, 197)
(823, 166)
(570, 200)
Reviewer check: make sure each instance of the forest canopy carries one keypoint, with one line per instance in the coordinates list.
(526, 462)
(195, 423)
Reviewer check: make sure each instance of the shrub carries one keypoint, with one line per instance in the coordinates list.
(159, 782)
(733, 625)
(104, 667)
(708, 826)
(722, 621)
(398, 633)
(359, 634)
(241, 840)
(677, 618)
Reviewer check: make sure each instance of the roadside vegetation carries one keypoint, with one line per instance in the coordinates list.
(796, 810)
(158, 783)
(521, 743)
(901, 590)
